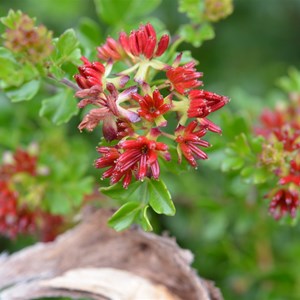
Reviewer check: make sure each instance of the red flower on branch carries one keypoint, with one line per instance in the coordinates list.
(283, 202)
(189, 138)
(144, 42)
(184, 78)
(202, 103)
(90, 74)
(108, 109)
(152, 108)
(111, 50)
(132, 156)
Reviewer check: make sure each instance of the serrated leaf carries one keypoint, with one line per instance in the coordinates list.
(59, 108)
(196, 35)
(66, 48)
(25, 92)
(120, 11)
(124, 216)
(160, 198)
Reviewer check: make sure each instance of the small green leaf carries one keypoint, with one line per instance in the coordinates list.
(193, 8)
(232, 163)
(26, 92)
(261, 175)
(160, 198)
(117, 191)
(196, 35)
(290, 83)
(145, 220)
(124, 216)
(59, 108)
(66, 49)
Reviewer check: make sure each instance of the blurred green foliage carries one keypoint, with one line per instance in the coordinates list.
(223, 220)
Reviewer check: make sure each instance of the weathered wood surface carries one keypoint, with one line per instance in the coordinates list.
(64, 266)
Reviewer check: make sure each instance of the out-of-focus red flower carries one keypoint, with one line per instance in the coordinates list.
(189, 138)
(293, 176)
(283, 202)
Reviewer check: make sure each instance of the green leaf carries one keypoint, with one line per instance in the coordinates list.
(124, 216)
(11, 19)
(144, 219)
(117, 191)
(26, 92)
(196, 35)
(121, 11)
(59, 108)
(241, 145)
(290, 83)
(174, 166)
(66, 49)
(160, 198)
(89, 33)
(193, 8)
(232, 163)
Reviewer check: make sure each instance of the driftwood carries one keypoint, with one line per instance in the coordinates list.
(96, 262)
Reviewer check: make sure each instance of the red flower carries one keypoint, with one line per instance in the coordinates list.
(112, 49)
(293, 176)
(134, 156)
(153, 107)
(13, 219)
(184, 78)
(91, 74)
(284, 201)
(141, 153)
(202, 103)
(8, 210)
(143, 42)
(109, 159)
(289, 137)
(188, 139)
(22, 162)
(108, 109)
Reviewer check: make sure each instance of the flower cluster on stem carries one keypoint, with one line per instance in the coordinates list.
(18, 216)
(281, 129)
(135, 112)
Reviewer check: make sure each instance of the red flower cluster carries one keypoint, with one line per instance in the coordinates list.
(16, 217)
(134, 117)
(282, 127)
